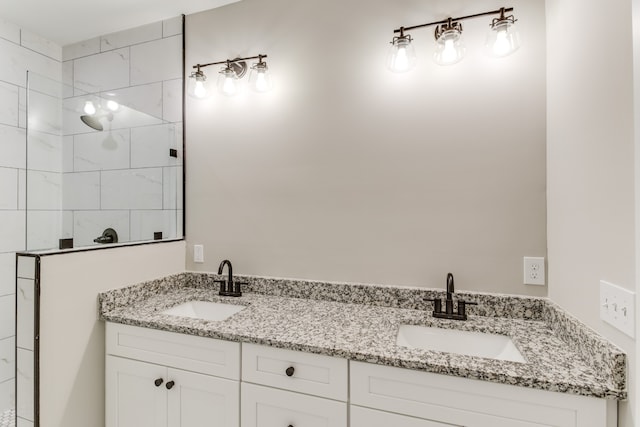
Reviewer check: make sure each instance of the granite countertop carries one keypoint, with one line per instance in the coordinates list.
(367, 332)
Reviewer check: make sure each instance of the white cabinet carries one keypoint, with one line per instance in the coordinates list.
(282, 388)
(365, 417)
(471, 403)
(160, 389)
(271, 407)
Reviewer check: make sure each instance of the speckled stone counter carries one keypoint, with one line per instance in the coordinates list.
(360, 322)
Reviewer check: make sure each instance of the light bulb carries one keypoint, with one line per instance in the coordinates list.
(113, 105)
(89, 108)
(503, 38)
(260, 77)
(402, 55)
(199, 90)
(449, 46)
(229, 86)
(449, 52)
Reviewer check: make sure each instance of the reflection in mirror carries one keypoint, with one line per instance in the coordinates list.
(100, 161)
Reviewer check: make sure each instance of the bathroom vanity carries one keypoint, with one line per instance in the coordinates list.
(320, 354)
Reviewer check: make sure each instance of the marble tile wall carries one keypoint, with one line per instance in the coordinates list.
(21, 50)
(123, 177)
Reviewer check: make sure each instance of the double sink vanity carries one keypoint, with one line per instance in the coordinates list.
(310, 354)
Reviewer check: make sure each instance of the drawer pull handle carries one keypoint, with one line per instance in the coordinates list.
(289, 373)
(170, 385)
(158, 382)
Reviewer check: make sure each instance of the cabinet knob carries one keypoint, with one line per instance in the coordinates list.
(158, 382)
(289, 373)
(170, 385)
(290, 425)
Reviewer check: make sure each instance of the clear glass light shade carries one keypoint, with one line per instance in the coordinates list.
(402, 56)
(228, 82)
(503, 39)
(450, 48)
(198, 87)
(89, 108)
(260, 78)
(113, 105)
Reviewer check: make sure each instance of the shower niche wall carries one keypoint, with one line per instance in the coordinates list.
(105, 147)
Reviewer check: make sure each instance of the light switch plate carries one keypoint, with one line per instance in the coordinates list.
(617, 307)
(198, 253)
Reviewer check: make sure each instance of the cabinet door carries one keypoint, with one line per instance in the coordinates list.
(198, 400)
(270, 407)
(132, 397)
(365, 417)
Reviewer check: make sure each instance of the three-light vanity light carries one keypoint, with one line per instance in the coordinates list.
(228, 76)
(502, 40)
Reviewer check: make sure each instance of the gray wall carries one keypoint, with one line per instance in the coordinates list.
(592, 164)
(348, 172)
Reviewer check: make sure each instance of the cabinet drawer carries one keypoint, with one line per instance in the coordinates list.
(365, 417)
(198, 354)
(269, 407)
(472, 403)
(315, 374)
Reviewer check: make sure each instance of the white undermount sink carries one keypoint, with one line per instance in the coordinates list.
(205, 310)
(478, 344)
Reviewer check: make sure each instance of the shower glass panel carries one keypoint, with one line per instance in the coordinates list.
(99, 165)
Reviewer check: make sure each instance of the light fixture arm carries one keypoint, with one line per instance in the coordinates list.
(229, 61)
(500, 11)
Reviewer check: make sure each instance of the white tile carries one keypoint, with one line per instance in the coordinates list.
(132, 189)
(25, 378)
(7, 316)
(7, 273)
(80, 49)
(9, 104)
(156, 61)
(8, 189)
(172, 27)
(9, 31)
(22, 108)
(16, 60)
(101, 151)
(172, 186)
(67, 79)
(24, 423)
(45, 113)
(45, 229)
(102, 72)
(67, 225)
(12, 231)
(146, 99)
(172, 100)
(41, 45)
(8, 396)
(145, 223)
(150, 146)
(44, 151)
(132, 36)
(87, 225)
(22, 189)
(67, 153)
(44, 190)
(44, 84)
(26, 312)
(7, 359)
(13, 143)
(81, 191)
(26, 267)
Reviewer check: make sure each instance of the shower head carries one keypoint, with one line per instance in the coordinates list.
(92, 122)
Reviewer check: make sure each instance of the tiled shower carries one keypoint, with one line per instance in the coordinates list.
(61, 179)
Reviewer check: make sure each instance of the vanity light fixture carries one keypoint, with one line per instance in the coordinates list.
(502, 40)
(228, 76)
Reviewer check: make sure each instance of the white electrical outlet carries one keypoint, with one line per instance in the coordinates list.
(534, 271)
(198, 253)
(617, 307)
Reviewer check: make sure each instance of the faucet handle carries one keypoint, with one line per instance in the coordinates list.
(437, 304)
(223, 284)
(462, 310)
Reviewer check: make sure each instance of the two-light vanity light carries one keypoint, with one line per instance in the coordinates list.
(228, 76)
(502, 40)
